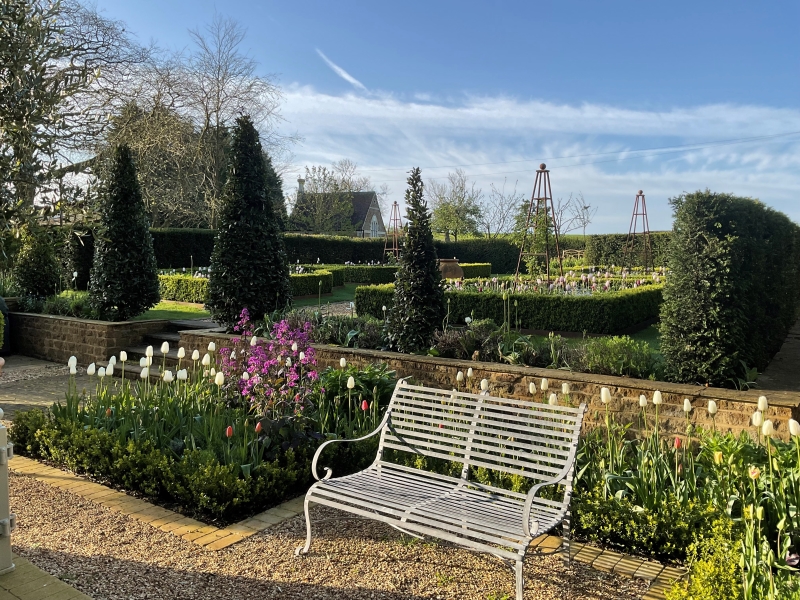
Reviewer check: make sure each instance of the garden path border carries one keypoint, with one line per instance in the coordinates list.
(661, 577)
(29, 582)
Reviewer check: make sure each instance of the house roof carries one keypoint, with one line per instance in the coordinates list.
(361, 204)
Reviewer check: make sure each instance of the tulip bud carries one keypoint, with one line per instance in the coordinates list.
(233, 355)
(73, 370)
(112, 360)
(181, 352)
(294, 347)
(565, 389)
(72, 362)
(718, 457)
(460, 376)
(469, 373)
(148, 360)
(754, 472)
(229, 432)
(351, 383)
(605, 395)
(484, 384)
(532, 387)
(213, 371)
(90, 369)
(219, 379)
(364, 405)
(544, 385)
(143, 362)
(302, 356)
(763, 405)
(258, 427)
(168, 378)
(687, 405)
(212, 347)
(196, 355)
(101, 372)
(148, 351)
(253, 341)
(677, 443)
(123, 356)
(182, 375)
(110, 369)
(342, 363)
(289, 362)
(758, 419)
(767, 429)
(552, 401)
(712, 407)
(145, 373)
(206, 359)
(642, 400)
(165, 348)
(657, 399)
(108, 412)
(794, 428)
(383, 308)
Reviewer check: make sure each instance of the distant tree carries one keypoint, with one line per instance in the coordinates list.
(273, 188)
(325, 205)
(456, 205)
(498, 211)
(582, 212)
(124, 277)
(248, 264)
(36, 270)
(534, 236)
(419, 306)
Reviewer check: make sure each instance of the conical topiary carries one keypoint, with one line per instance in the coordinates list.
(418, 293)
(124, 278)
(248, 265)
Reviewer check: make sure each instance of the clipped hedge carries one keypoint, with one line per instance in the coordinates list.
(609, 248)
(475, 270)
(338, 272)
(604, 313)
(370, 275)
(733, 290)
(185, 288)
(177, 248)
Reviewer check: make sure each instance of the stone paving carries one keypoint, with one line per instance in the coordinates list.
(783, 372)
(28, 383)
(29, 582)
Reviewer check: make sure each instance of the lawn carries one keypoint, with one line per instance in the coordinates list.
(347, 293)
(174, 311)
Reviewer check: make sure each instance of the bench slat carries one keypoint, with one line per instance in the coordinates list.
(431, 394)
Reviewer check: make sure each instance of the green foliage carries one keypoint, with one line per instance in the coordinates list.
(79, 259)
(310, 284)
(369, 274)
(337, 271)
(124, 278)
(178, 248)
(473, 270)
(418, 307)
(248, 264)
(733, 289)
(606, 312)
(23, 431)
(620, 356)
(609, 249)
(36, 271)
(185, 288)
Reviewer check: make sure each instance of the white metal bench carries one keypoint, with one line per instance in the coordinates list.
(530, 439)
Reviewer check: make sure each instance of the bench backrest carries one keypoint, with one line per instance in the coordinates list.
(521, 437)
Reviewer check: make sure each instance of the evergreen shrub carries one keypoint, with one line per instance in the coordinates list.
(36, 271)
(185, 288)
(338, 272)
(609, 249)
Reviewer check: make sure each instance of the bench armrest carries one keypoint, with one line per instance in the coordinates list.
(558, 478)
(318, 453)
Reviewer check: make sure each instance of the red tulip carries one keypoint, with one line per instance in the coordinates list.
(108, 412)
(677, 442)
(441, 425)
(364, 405)
(229, 432)
(258, 427)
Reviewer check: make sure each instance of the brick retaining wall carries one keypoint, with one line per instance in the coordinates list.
(735, 408)
(56, 338)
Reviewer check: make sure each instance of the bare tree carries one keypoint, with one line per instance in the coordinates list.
(348, 177)
(499, 209)
(582, 213)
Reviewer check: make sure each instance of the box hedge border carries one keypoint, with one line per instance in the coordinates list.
(604, 313)
(185, 288)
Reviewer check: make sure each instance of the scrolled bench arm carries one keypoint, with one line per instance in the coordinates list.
(561, 476)
(318, 453)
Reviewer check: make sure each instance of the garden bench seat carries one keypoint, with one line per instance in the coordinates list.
(526, 440)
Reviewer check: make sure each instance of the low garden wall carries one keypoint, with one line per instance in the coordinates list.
(734, 408)
(56, 338)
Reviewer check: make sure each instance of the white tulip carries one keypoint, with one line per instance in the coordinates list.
(484, 384)
(351, 382)
(196, 355)
(145, 373)
(213, 371)
(72, 362)
(302, 355)
(469, 373)
(219, 379)
(233, 355)
(294, 347)
(532, 387)
(467, 320)
(149, 360)
(253, 341)
(758, 419)
(181, 352)
(112, 360)
(143, 362)
(763, 405)
(212, 347)
(90, 369)
(460, 376)
(182, 375)
(101, 372)
(657, 400)
(565, 389)
(168, 378)
(73, 370)
(687, 405)
(206, 359)
(552, 401)
(605, 395)
(245, 376)
(165, 348)
(289, 362)
(544, 385)
(642, 400)
(149, 351)
(342, 363)
(767, 429)
(110, 369)
(712, 407)
(383, 308)
(794, 428)
(123, 356)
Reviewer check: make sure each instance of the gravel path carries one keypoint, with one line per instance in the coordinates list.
(110, 556)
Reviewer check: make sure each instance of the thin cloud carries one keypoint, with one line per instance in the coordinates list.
(342, 73)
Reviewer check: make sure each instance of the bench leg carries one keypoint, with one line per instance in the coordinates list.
(520, 583)
(304, 549)
(566, 551)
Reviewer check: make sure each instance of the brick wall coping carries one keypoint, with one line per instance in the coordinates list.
(92, 321)
(783, 399)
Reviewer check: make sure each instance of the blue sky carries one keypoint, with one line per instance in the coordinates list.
(498, 87)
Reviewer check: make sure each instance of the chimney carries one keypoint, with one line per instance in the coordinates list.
(300, 183)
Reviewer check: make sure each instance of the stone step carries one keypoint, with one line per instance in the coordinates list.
(189, 324)
(155, 339)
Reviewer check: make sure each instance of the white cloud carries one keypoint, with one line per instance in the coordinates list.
(502, 137)
(341, 72)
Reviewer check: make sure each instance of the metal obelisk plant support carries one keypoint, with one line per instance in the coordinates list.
(392, 245)
(8, 520)
(541, 203)
(639, 210)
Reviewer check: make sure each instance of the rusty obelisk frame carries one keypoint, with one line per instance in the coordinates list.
(639, 210)
(540, 198)
(393, 232)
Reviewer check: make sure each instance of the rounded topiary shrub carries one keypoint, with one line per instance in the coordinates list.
(36, 271)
